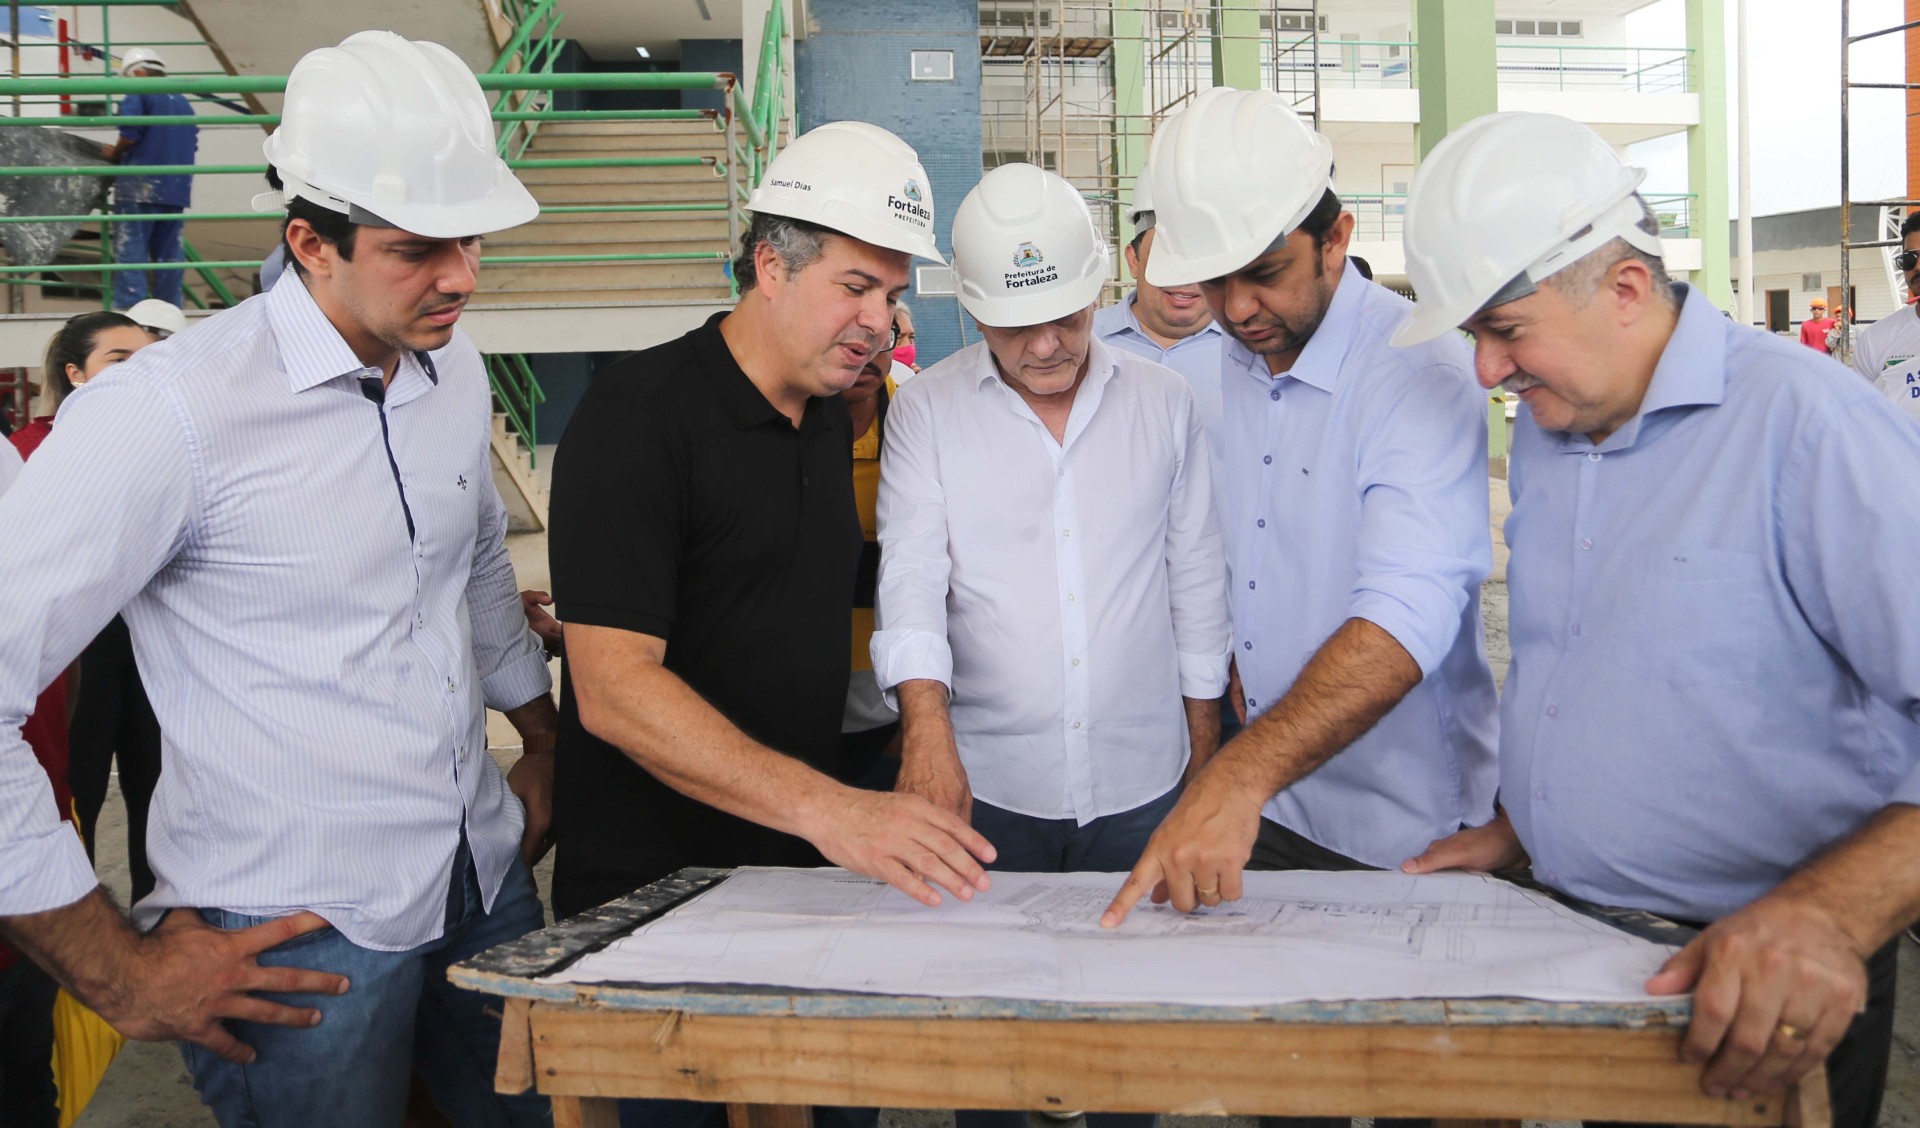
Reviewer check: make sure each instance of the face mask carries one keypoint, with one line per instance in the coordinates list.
(904, 355)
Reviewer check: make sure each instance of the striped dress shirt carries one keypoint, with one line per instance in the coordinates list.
(320, 600)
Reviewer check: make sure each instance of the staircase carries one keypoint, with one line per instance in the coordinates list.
(699, 278)
(514, 477)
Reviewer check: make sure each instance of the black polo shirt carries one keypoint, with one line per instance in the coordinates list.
(686, 507)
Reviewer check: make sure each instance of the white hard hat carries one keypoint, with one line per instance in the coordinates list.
(1025, 250)
(395, 132)
(1502, 203)
(142, 57)
(152, 313)
(1142, 205)
(857, 179)
(1232, 173)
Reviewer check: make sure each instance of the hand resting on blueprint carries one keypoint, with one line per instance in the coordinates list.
(1481, 849)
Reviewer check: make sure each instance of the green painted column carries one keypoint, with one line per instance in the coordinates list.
(1236, 44)
(1130, 124)
(1453, 57)
(1707, 150)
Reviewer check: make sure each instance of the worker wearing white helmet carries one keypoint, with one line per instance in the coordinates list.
(1355, 525)
(162, 319)
(294, 504)
(705, 544)
(153, 233)
(1710, 710)
(1052, 608)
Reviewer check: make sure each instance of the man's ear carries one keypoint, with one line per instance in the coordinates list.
(314, 253)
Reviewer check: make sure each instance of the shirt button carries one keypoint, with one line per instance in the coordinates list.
(1248, 644)
(419, 620)
(450, 686)
(1071, 597)
(1076, 661)
(1274, 394)
(1252, 704)
(1576, 630)
(1250, 585)
(1267, 458)
(1553, 710)
(1586, 544)
(1262, 522)
(1066, 532)
(1593, 456)
(1062, 471)
(1076, 724)
(1539, 793)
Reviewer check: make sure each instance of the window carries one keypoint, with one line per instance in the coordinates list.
(1526, 27)
(1565, 29)
(1778, 320)
(1173, 21)
(1809, 281)
(932, 66)
(933, 281)
(1014, 17)
(1292, 23)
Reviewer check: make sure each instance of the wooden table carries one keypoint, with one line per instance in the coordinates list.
(772, 1053)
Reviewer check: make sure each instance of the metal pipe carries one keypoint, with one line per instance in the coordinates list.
(1844, 351)
(1743, 227)
(260, 170)
(240, 264)
(210, 217)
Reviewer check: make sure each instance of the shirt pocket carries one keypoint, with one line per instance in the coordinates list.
(1691, 617)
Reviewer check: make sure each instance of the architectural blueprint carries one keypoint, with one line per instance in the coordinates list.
(1293, 937)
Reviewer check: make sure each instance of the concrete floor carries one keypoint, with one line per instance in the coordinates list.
(148, 1088)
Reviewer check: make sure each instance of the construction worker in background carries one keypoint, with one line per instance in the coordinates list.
(1710, 598)
(162, 319)
(1887, 352)
(153, 240)
(1813, 331)
(1356, 526)
(294, 504)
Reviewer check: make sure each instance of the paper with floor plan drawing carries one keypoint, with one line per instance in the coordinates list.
(1293, 937)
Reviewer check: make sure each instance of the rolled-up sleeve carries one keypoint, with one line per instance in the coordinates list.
(910, 600)
(507, 655)
(133, 105)
(1196, 563)
(103, 506)
(1424, 542)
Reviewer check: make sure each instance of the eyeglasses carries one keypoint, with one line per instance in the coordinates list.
(1906, 260)
(894, 338)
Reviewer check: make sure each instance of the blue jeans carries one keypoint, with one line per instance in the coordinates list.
(399, 1014)
(159, 240)
(1029, 844)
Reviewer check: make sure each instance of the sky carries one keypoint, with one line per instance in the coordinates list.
(1794, 107)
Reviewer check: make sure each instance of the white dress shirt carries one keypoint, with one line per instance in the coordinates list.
(1069, 594)
(320, 602)
(9, 465)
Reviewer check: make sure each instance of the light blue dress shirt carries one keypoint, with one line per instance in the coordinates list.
(1357, 488)
(318, 670)
(1704, 609)
(1197, 358)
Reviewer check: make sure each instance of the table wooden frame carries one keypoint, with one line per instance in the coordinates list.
(772, 1053)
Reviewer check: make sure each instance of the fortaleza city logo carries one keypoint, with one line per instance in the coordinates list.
(1030, 268)
(911, 205)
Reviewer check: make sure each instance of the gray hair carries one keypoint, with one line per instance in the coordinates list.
(1579, 280)
(797, 242)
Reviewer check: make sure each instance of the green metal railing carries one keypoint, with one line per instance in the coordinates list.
(1377, 215)
(1587, 68)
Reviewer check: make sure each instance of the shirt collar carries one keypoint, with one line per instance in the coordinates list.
(1319, 363)
(739, 396)
(1691, 372)
(311, 350)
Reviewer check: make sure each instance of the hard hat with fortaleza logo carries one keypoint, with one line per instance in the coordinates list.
(394, 132)
(142, 57)
(1231, 174)
(1024, 249)
(1503, 203)
(856, 179)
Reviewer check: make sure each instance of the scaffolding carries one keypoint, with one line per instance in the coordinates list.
(1049, 91)
(1891, 212)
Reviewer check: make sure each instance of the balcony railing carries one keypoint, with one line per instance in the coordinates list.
(1592, 69)
(1377, 215)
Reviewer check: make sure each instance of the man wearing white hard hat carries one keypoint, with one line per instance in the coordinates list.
(705, 544)
(1052, 612)
(164, 196)
(1355, 525)
(295, 506)
(1710, 710)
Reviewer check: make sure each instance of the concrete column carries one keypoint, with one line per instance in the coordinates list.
(1707, 149)
(1130, 128)
(1236, 44)
(1454, 66)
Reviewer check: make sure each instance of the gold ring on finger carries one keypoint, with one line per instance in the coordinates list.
(1791, 1032)
(1214, 892)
